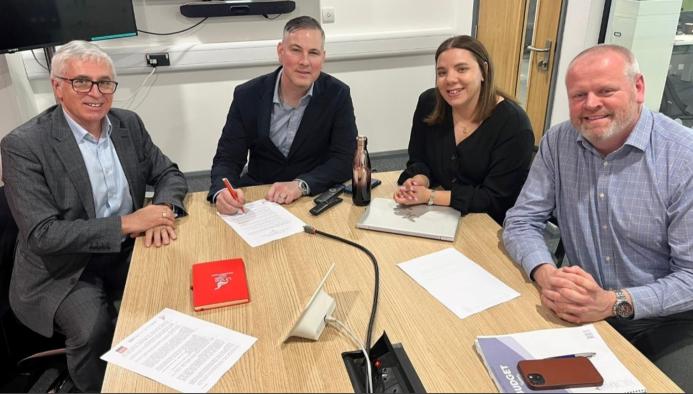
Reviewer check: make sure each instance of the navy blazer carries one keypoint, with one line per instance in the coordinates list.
(321, 153)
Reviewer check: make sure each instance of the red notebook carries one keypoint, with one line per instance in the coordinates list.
(219, 283)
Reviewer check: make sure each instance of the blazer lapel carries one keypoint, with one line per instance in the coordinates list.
(120, 137)
(71, 157)
(266, 106)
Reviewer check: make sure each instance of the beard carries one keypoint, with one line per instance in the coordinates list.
(621, 123)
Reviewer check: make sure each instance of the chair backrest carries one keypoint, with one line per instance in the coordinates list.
(8, 241)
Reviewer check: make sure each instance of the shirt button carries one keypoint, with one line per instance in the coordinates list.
(604, 227)
(606, 163)
(608, 258)
(601, 195)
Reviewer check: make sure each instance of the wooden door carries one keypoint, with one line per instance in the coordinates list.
(521, 37)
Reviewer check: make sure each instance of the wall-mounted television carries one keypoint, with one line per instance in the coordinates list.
(29, 24)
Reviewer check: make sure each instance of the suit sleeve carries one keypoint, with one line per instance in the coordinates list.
(337, 168)
(232, 149)
(38, 216)
(169, 183)
(417, 142)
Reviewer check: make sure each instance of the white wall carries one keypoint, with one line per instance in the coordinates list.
(185, 110)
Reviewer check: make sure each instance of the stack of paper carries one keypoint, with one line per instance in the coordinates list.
(501, 354)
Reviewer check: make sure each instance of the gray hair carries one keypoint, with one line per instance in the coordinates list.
(78, 50)
(303, 22)
(632, 66)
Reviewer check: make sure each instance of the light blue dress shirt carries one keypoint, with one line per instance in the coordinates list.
(626, 218)
(285, 119)
(109, 185)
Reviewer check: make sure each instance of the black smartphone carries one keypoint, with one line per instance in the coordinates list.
(559, 373)
(374, 184)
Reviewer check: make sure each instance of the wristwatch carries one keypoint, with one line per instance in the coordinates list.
(622, 308)
(305, 189)
(431, 197)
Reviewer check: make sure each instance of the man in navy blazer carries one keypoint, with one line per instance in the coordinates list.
(296, 126)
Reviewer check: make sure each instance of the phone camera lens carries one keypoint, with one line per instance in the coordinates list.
(536, 379)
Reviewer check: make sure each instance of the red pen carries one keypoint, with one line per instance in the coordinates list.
(230, 188)
(231, 191)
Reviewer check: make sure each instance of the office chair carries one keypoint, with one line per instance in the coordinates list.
(25, 363)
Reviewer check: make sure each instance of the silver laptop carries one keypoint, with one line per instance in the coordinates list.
(384, 214)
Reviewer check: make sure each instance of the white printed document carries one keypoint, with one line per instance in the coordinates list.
(263, 222)
(457, 282)
(180, 351)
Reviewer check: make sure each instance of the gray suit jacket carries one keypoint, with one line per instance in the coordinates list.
(50, 196)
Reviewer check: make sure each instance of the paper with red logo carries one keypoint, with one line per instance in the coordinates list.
(219, 283)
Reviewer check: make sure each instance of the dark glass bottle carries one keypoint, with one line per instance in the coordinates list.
(361, 178)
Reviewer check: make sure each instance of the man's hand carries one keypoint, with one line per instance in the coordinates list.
(228, 205)
(284, 192)
(146, 218)
(161, 235)
(413, 191)
(574, 296)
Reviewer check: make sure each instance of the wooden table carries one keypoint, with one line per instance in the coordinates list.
(283, 274)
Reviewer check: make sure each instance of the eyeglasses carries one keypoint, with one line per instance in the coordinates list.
(81, 85)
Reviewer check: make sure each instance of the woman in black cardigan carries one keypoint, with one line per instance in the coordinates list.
(467, 137)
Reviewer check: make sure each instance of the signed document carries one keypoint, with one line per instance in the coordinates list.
(263, 222)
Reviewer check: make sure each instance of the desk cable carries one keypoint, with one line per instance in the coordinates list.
(367, 346)
(343, 328)
(374, 308)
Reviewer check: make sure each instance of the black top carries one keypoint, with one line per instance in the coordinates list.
(486, 171)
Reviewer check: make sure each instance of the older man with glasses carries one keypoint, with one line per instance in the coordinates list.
(75, 177)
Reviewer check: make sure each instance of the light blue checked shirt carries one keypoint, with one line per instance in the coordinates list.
(626, 218)
(285, 119)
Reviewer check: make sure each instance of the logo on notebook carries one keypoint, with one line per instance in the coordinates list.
(222, 279)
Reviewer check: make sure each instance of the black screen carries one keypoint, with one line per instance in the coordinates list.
(27, 24)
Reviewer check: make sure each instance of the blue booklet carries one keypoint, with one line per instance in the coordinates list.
(502, 352)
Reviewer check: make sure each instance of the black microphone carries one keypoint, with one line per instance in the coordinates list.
(312, 230)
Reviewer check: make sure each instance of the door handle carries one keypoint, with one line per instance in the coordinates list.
(543, 60)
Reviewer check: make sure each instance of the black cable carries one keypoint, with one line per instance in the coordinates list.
(39, 63)
(174, 32)
(313, 230)
(273, 18)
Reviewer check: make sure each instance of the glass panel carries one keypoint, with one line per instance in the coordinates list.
(524, 68)
(677, 100)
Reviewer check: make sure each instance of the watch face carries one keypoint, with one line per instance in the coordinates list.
(624, 309)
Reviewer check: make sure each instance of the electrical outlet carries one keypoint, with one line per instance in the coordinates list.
(158, 59)
(328, 15)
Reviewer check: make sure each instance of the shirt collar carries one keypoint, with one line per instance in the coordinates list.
(639, 138)
(81, 133)
(277, 100)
